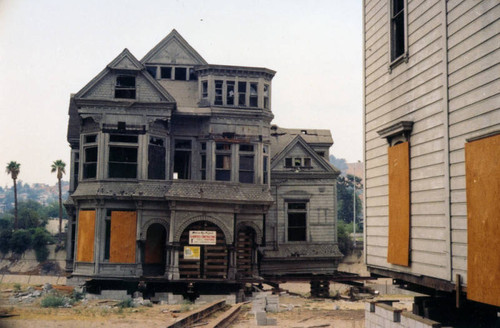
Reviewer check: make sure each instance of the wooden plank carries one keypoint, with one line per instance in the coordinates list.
(399, 205)
(86, 232)
(483, 193)
(123, 236)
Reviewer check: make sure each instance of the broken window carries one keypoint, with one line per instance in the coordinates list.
(76, 169)
(181, 73)
(230, 92)
(166, 72)
(223, 162)
(203, 161)
(218, 92)
(125, 87)
(192, 75)
(242, 93)
(397, 29)
(182, 159)
(90, 156)
(246, 168)
(288, 162)
(307, 162)
(151, 70)
(204, 89)
(266, 96)
(297, 223)
(156, 158)
(253, 95)
(297, 162)
(122, 159)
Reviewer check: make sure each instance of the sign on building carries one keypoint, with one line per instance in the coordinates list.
(202, 237)
(191, 252)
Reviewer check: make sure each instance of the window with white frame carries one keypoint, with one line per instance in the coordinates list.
(297, 221)
(89, 156)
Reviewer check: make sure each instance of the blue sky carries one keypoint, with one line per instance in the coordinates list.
(52, 48)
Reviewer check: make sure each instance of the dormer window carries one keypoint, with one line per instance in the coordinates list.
(125, 87)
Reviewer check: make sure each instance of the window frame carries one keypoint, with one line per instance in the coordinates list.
(125, 88)
(122, 144)
(304, 211)
(225, 153)
(88, 145)
(249, 154)
(395, 61)
(164, 146)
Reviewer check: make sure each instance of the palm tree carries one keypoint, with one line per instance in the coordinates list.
(58, 166)
(13, 168)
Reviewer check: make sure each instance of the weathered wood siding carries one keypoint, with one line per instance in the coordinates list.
(474, 100)
(412, 91)
(450, 89)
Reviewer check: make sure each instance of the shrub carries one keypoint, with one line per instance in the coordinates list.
(20, 241)
(344, 240)
(126, 303)
(17, 287)
(53, 301)
(40, 239)
(5, 237)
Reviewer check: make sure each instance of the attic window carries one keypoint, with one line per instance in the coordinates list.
(166, 72)
(180, 74)
(151, 70)
(125, 87)
(303, 131)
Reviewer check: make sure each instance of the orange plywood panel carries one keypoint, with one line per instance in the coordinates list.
(123, 236)
(86, 232)
(482, 167)
(399, 204)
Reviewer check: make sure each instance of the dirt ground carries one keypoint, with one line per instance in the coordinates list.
(296, 310)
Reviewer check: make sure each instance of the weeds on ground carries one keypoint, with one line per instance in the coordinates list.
(52, 301)
(126, 303)
(186, 306)
(17, 287)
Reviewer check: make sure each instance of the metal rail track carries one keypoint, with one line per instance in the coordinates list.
(197, 315)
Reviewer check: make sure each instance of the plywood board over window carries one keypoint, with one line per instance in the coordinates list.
(483, 219)
(399, 204)
(123, 237)
(86, 230)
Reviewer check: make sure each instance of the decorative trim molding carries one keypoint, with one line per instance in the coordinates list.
(228, 233)
(401, 128)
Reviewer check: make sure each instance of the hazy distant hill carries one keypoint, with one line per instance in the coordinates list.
(40, 192)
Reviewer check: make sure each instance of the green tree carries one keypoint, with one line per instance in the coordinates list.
(52, 210)
(13, 168)
(58, 166)
(5, 237)
(20, 241)
(40, 240)
(345, 197)
(31, 215)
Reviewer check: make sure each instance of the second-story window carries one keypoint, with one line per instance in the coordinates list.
(223, 162)
(265, 169)
(122, 159)
(218, 92)
(156, 158)
(204, 89)
(182, 159)
(398, 26)
(297, 221)
(125, 87)
(181, 74)
(246, 169)
(203, 160)
(242, 93)
(90, 156)
(166, 72)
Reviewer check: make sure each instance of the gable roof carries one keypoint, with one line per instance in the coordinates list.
(172, 47)
(281, 137)
(298, 140)
(124, 61)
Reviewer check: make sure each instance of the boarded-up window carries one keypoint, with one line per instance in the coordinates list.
(86, 230)
(399, 204)
(483, 219)
(122, 237)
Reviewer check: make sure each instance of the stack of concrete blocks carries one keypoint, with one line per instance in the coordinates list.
(230, 299)
(167, 298)
(381, 315)
(261, 303)
(112, 294)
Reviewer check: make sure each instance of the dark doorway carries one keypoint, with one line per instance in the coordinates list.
(154, 251)
(197, 260)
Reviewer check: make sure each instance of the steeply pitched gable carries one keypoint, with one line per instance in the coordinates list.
(173, 49)
(102, 86)
(298, 148)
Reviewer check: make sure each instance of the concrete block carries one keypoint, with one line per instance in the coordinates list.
(272, 321)
(261, 318)
(162, 296)
(175, 298)
(16, 278)
(114, 294)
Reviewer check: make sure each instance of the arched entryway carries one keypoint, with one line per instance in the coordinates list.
(245, 252)
(203, 252)
(154, 251)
